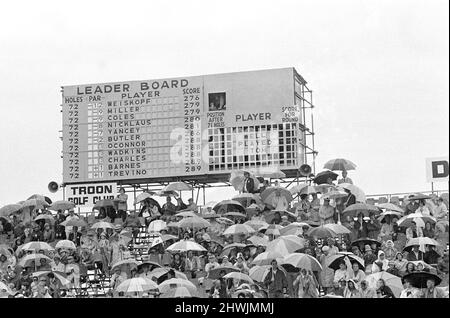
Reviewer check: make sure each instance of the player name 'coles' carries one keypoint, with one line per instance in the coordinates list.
(123, 87)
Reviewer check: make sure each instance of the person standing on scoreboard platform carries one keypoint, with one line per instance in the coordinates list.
(344, 178)
(122, 206)
(249, 183)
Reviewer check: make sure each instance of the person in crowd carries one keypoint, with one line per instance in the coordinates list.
(178, 263)
(57, 265)
(430, 256)
(431, 291)
(428, 230)
(410, 268)
(366, 291)
(351, 198)
(389, 250)
(383, 291)
(305, 285)
(192, 265)
(413, 231)
(441, 211)
(343, 272)
(408, 290)
(275, 280)
(71, 216)
(241, 264)
(381, 263)
(75, 236)
(415, 255)
(387, 229)
(357, 252)
(192, 206)
(249, 183)
(356, 274)
(345, 178)
(369, 257)
(169, 208)
(326, 212)
(284, 221)
(423, 209)
(373, 227)
(400, 263)
(181, 206)
(361, 226)
(411, 206)
(59, 229)
(122, 205)
(338, 288)
(133, 223)
(279, 202)
(351, 290)
(48, 235)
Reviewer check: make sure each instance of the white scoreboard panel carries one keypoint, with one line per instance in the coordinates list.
(190, 126)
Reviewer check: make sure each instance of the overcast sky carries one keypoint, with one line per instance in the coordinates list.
(378, 69)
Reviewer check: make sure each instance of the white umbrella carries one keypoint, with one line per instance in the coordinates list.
(391, 207)
(185, 245)
(136, 285)
(266, 258)
(156, 226)
(239, 229)
(419, 218)
(65, 244)
(177, 186)
(392, 281)
(301, 260)
(356, 191)
(166, 285)
(338, 228)
(239, 276)
(286, 244)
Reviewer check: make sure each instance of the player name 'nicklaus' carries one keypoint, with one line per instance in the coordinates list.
(253, 116)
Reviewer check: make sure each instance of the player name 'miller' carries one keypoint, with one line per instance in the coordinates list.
(120, 88)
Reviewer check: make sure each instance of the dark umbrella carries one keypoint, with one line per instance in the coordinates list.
(215, 272)
(323, 176)
(366, 241)
(364, 208)
(419, 196)
(290, 268)
(151, 265)
(335, 260)
(41, 197)
(419, 279)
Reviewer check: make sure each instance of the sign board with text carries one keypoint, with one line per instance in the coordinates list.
(86, 195)
(188, 126)
(437, 169)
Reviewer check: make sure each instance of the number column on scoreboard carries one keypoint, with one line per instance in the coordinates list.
(71, 141)
(95, 140)
(193, 112)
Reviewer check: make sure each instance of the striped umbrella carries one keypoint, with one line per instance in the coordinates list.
(301, 260)
(186, 245)
(239, 229)
(340, 164)
(136, 285)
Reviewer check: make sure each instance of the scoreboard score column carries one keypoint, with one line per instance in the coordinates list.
(193, 113)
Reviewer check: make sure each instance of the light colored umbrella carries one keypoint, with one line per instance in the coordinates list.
(239, 229)
(390, 213)
(10, 209)
(186, 214)
(269, 172)
(259, 272)
(36, 246)
(324, 188)
(335, 194)
(256, 224)
(364, 208)
(308, 190)
(216, 272)
(35, 203)
(247, 198)
(45, 217)
(258, 241)
(286, 244)
(161, 271)
(392, 281)
(321, 232)
(334, 260)
(36, 258)
(299, 187)
(391, 207)
(102, 225)
(136, 285)
(301, 260)
(265, 258)
(297, 231)
(65, 244)
(61, 205)
(166, 285)
(359, 194)
(74, 222)
(228, 248)
(169, 193)
(271, 227)
(407, 220)
(144, 196)
(338, 228)
(194, 223)
(239, 276)
(229, 206)
(267, 196)
(156, 226)
(186, 245)
(224, 221)
(421, 242)
(61, 277)
(167, 237)
(339, 164)
(235, 215)
(179, 292)
(271, 215)
(177, 186)
(237, 180)
(126, 262)
(272, 231)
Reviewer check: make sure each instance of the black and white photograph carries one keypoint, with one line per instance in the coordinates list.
(232, 156)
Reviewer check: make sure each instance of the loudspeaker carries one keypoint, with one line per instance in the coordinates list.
(53, 187)
(305, 170)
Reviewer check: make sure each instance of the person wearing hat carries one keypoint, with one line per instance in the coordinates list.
(326, 212)
(225, 261)
(373, 227)
(366, 291)
(192, 206)
(361, 226)
(71, 216)
(351, 290)
(57, 265)
(241, 264)
(327, 273)
(122, 205)
(134, 223)
(284, 221)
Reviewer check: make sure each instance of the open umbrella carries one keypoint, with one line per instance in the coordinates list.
(246, 198)
(74, 222)
(144, 196)
(10, 209)
(297, 231)
(270, 216)
(269, 172)
(392, 281)
(286, 244)
(324, 188)
(419, 196)
(179, 292)
(237, 179)
(239, 229)
(219, 272)
(102, 225)
(340, 164)
(301, 260)
(166, 285)
(321, 232)
(391, 207)
(407, 220)
(156, 226)
(65, 244)
(225, 221)
(337, 228)
(194, 223)
(61, 277)
(186, 214)
(259, 272)
(132, 263)
(419, 279)
(398, 215)
(268, 195)
(365, 241)
(136, 285)
(322, 177)
(36, 246)
(299, 187)
(258, 241)
(359, 194)
(335, 194)
(239, 276)
(185, 245)
(45, 217)
(421, 242)
(364, 208)
(265, 258)
(151, 265)
(256, 224)
(35, 203)
(228, 206)
(169, 193)
(293, 227)
(235, 215)
(177, 186)
(334, 260)
(61, 205)
(36, 258)
(41, 198)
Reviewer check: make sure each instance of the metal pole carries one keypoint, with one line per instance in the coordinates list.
(204, 195)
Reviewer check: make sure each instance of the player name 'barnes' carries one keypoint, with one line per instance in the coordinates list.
(254, 116)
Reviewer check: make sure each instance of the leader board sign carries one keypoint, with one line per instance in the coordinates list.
(437, 169)
(87, 195)
(174, 127)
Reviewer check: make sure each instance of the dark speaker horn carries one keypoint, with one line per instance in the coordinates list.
(53, 187)
(305, 170)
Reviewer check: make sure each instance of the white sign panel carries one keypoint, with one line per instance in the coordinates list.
(437, 169)
(86, 195)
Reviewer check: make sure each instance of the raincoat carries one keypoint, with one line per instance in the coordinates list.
(327, 274)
